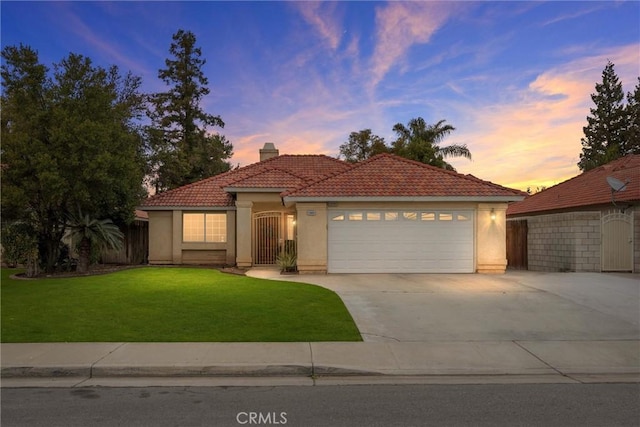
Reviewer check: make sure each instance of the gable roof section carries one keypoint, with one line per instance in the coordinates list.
(390, 177)
(266, 179)
(201, 194)
(587, 189)
(281, 172)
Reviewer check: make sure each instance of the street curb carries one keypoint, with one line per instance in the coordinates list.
(202, 371)
(221, 371)
(45, 372)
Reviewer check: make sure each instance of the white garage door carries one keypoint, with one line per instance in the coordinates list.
(404, 241)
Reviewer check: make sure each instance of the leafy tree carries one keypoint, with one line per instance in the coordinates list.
(182, 151)
(86, 233)
(69, 141)
(604, 138)
(420, 141)
(362, 145)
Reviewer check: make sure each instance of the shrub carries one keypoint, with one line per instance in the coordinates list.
(287, 261)
(18, 243)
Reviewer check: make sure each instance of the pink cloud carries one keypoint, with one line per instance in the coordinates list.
(321, 16)
(534, 138)
(399, 25)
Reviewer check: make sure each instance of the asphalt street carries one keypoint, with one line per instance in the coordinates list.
(353, 406)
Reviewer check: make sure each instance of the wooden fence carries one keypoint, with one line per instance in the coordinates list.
(135, 248)
(517, 244)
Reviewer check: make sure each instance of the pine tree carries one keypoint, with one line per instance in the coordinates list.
(604, 135)
(182, 150)
(631, 142)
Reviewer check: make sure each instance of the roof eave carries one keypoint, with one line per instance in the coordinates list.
(497, 199)
(186, 208)
(255, 189)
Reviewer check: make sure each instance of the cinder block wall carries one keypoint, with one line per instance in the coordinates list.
(564, 242)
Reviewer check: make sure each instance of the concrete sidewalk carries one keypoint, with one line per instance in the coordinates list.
(537, 361)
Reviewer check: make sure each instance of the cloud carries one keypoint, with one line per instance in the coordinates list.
(572, 15)
(399, 25)
(112, 52)
(321, 16)
(533, 137)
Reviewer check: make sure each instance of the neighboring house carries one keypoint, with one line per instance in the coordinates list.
(385, 214)
(580, 224)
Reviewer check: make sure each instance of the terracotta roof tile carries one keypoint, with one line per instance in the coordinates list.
(387, 175)
(286, 171)
(205, 193)
(269, 178)
(587, 189)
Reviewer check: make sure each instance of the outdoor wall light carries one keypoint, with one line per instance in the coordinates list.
(493, 214)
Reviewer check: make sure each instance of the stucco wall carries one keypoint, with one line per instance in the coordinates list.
(312, 237)
(491, 238)
(166, 245)
(564, 242)
(160, 237)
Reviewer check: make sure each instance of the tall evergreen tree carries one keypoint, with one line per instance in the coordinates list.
(631, 140)
(69, 141)
(182, 150)
(603, 139)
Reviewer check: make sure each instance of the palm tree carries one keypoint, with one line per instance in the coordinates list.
(86, 232)
(419, 141)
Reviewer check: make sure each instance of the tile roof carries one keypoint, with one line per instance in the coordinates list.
(587, 189)
(286, 171)
(269, 178)
(205, 193)
(388, 175)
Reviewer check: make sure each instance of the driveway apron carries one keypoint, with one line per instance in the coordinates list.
(522, 306)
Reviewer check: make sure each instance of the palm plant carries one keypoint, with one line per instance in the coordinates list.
(86, 233)
(419, 141)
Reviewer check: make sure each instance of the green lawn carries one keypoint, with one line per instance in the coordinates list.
(170, 305)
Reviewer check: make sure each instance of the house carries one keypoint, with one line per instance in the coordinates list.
(581, 224)
(385, 214)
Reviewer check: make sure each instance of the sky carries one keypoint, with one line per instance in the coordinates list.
(514, 78)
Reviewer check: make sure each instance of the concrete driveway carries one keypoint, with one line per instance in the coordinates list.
(522, 306)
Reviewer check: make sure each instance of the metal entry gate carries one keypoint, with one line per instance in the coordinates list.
(617, 242)
(267, 237)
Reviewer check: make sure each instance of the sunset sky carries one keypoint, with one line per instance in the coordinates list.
(514, 78)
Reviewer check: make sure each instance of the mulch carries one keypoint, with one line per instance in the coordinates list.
(112, 268)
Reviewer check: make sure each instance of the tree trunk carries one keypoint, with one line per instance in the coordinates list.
(49, 252)
(84, 255)
(32, 263)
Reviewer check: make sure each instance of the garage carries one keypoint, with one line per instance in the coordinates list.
(401, 240)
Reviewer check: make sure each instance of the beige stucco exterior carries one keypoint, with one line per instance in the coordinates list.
(491, 238)
(166, 245)
(312, 237)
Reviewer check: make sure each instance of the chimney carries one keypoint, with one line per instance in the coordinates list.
(268, 151)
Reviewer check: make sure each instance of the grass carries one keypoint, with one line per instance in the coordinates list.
(158, 304)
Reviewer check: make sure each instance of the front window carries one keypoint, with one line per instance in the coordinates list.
(201, 227)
